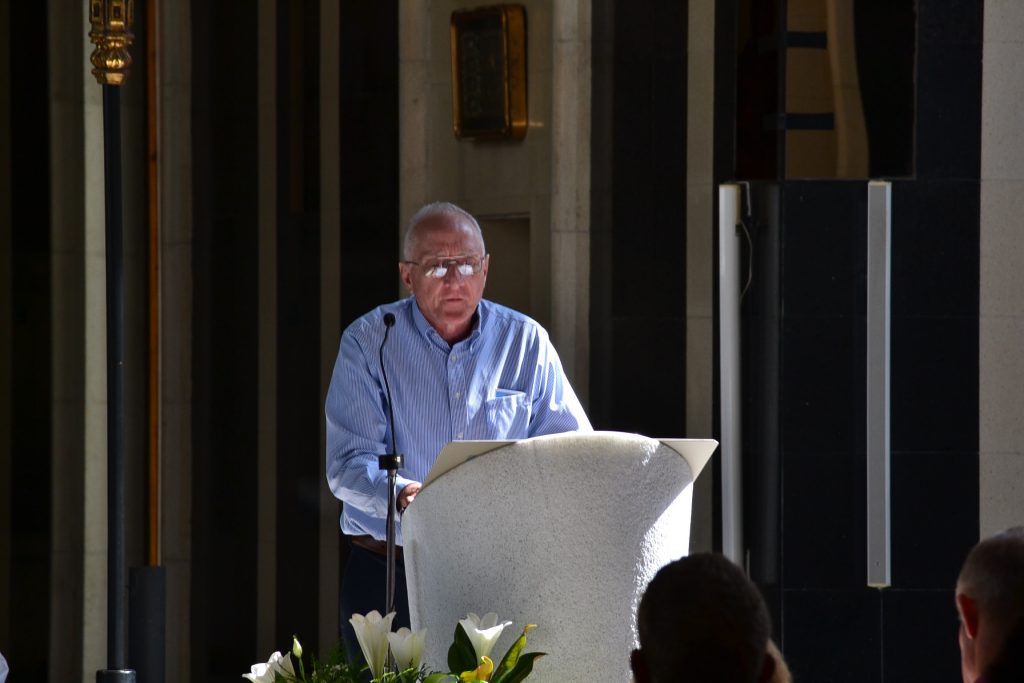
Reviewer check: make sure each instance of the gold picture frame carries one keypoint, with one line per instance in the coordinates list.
(488, 47)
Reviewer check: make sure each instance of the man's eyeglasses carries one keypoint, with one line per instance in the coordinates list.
(464, 266)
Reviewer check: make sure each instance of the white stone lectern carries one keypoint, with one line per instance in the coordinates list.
(562, 531)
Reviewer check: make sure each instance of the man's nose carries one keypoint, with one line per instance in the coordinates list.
(452, 275)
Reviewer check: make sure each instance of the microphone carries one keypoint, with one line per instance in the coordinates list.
(389, 322)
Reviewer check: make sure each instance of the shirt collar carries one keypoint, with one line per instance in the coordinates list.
(430, 334)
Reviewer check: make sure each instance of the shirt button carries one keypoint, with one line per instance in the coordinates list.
(455, 357)
(460, 435)
(458, 394)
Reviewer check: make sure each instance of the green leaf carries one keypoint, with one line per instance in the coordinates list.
(441, 678)
(508, 662)
(461, 655)
(522, 669)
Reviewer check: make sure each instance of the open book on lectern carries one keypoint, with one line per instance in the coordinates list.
(696, 452)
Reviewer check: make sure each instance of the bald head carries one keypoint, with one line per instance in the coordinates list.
(426, 217)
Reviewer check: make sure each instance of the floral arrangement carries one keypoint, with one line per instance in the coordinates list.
(469, 658)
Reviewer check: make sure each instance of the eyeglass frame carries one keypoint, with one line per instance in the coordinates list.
(444, 262)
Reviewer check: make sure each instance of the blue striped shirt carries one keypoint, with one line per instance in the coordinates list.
(504, 381)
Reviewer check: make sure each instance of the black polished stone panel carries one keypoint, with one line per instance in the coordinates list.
(935, 384)
(225, 314)
(949, 22)
(935, 248)
(822, 397)
(824, 524)
(931, 535)
(833, 636)
(638, 316)
(949, 111)
(649, 392)
(824, 248)
(28, 619)
(299, 401)
(368, 156)
(921, 636)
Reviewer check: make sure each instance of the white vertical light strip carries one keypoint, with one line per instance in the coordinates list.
(879, 280)
(330, 303)
(266, 437)
(729, 364)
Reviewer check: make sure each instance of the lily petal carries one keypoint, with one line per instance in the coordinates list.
(483, 632)
(372, 633)
(266, 673)
(407, 647)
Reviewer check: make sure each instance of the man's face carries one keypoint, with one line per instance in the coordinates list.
(448, 302)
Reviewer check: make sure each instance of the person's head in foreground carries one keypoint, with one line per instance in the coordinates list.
(990, 602)
(701, 619)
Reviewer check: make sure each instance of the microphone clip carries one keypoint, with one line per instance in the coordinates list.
(389, 461)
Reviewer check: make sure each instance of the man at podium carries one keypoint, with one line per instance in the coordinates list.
(442, 365)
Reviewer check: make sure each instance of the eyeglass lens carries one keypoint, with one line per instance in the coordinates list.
(464, 267)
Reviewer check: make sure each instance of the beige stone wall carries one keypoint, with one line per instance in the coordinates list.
(1001, 371)
(543, 178)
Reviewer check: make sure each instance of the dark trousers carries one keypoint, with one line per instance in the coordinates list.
(363, 589)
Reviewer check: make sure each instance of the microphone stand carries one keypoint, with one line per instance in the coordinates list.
(390, 462)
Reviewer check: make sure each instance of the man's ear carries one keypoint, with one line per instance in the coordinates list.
(639, 666)
(405, 270)
(767, 668)
(968, 609)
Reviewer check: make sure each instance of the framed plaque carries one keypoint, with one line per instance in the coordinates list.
(489, 72)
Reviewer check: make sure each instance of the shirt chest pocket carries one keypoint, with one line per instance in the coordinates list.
(508, 415)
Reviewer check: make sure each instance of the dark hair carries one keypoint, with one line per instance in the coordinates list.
(702, 619)
(993, 575)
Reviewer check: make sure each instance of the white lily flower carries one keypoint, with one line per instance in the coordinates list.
(483, 633)
(372, 633)
(407, 647)
(266, 673)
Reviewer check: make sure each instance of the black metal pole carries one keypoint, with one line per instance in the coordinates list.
(117, 584)
(111, 22)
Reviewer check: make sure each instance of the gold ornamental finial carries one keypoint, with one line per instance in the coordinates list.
(111, 34)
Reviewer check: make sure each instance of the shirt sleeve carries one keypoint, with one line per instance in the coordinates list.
(357, 430)
(556, 408)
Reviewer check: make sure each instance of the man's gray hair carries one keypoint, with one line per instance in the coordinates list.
(430, 211)
(993, 575)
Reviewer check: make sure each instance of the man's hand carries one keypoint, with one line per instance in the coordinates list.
(406, 495)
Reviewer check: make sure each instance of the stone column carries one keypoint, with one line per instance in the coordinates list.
(570, 189)
(78, 586)
(1001, 305)
(330, 306)
(700, 229)
(174, 142)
